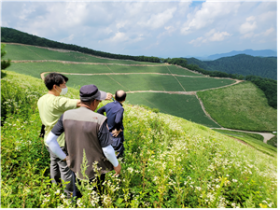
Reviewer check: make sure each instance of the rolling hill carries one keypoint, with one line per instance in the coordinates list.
(241, 64)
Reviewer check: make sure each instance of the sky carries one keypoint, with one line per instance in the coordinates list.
(151, 28)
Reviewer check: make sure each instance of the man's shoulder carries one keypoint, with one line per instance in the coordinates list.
(84, 114)
(42, 100)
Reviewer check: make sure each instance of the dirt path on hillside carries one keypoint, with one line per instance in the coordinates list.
(206, 113)
(266, 135)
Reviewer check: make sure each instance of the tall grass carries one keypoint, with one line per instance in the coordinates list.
(169, 162)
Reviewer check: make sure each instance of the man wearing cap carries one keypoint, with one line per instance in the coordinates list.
(86, 133)
(51, 106)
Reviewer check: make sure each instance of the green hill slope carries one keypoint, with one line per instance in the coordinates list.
(241, 64)
(126, 75)
(242, 106)
(15, 36)
(169, 162)
(27, 52)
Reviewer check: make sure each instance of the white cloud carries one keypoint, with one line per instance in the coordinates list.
(209, 13)
(219, 36)
(158, 20)
(118, 37)
(249, 26)
(269, 31)
(211, 36)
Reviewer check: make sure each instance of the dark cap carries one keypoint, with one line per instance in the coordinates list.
(89, 92)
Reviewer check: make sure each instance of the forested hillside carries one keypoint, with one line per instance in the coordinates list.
(15, 36)
(241, 64)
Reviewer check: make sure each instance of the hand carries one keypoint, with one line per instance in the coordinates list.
(65, 158)
(116, 132)
(79, 103)
(109, 96)
(117, 170)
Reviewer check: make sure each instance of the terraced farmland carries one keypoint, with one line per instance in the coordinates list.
(184, 106)
(26, 52)
(148, 82)
(35, 69)
(110, 75)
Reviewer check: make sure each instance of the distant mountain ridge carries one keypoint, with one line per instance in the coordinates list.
(259, 53)
(242, 64)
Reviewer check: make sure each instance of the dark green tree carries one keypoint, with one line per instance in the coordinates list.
(4, 63)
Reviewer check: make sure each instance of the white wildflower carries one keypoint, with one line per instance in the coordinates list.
(130, 169)
(198, 188)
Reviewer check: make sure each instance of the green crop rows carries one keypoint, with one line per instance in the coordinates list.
(184, 106)
(19, 52)
(35, 69)
(145, 82)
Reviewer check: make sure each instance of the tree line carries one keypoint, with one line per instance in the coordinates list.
(15, 36)
(268, 86)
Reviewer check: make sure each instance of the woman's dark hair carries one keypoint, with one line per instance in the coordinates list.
(120, 95)
(54, 79)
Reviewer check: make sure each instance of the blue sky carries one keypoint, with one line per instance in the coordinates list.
(151, 28)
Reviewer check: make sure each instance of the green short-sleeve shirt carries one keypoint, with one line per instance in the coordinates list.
(51, 107)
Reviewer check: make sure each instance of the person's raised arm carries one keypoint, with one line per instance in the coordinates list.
(101, 110)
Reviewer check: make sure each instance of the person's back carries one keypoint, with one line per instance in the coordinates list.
(114, 112)
(51, 107)
(81, 128)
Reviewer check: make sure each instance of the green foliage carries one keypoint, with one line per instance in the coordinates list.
(15, 36)
(169, 163)
(4, 63)
(242, 106)
(268, 86)
(273, 141)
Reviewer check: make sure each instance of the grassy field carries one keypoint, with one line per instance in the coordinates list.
(242, 106)
(255, 140)
(19, 52)
(35, 69)
(147, 82)
(184, 106)
(169, 162)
